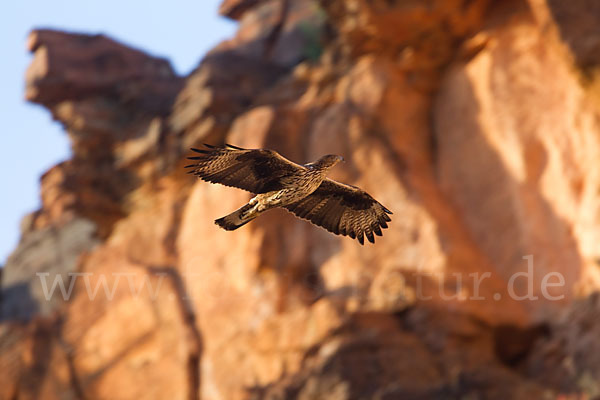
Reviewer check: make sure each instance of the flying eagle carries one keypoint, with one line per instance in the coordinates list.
(302, 189)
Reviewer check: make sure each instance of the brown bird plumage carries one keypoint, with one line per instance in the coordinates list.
(304, 190)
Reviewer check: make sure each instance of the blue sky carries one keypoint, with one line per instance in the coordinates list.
(31, 142)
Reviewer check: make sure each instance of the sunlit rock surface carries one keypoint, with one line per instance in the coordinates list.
(475, 122)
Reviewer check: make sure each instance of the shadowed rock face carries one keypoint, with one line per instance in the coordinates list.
(33, 267)
(476, 122)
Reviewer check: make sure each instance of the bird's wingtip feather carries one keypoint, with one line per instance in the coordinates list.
(198, 150)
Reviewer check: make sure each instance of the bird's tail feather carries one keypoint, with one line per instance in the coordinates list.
(238, 218)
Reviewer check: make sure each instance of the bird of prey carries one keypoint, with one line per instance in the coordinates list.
(304, 190)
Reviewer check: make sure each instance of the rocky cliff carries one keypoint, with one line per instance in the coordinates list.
(476, 122)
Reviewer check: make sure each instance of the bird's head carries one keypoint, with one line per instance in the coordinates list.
(328, 161)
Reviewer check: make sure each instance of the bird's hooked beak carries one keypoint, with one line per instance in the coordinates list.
(340, 158)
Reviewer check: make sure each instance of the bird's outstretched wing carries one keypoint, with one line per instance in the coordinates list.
(343, 210)
(256, 170)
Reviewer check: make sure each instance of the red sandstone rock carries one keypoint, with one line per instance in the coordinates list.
(236, 8)
(468, 119)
